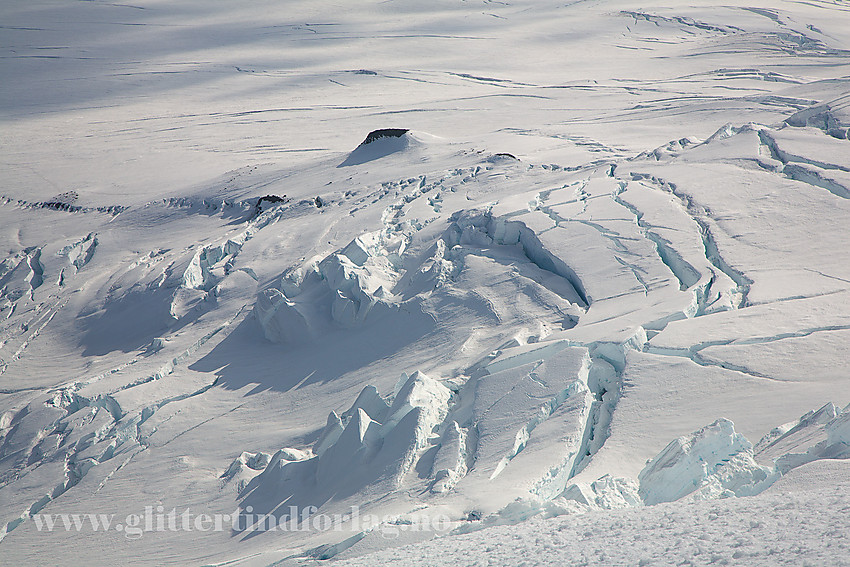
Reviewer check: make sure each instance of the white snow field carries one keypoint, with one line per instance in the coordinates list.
(582, 297)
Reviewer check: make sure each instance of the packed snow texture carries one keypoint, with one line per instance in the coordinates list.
(490, 262)
(799, 522)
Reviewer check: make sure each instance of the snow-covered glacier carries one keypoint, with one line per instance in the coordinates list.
(490, 275)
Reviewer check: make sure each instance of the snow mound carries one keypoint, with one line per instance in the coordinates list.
(375, 135)
(379, 144)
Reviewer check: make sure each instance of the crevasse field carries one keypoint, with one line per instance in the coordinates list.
(582, 299)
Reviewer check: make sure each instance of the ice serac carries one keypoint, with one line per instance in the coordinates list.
(211, 263)
(355, 451)
(245, 467)
(605, 493)
(375, 275)
(356, 444)
(482, 229)
(833, 117)
(795, 436)
(80, 253)
(330, 434)
(526, 421)
(821, 434)
(371, 402)
(838, 430)
(714, 461)
(341, 289)
(454, 457)
(420, 391)
(280, 319)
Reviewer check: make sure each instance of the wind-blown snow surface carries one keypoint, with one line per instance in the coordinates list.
(599, 264)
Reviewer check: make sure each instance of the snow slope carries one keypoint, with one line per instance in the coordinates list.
(593, 258)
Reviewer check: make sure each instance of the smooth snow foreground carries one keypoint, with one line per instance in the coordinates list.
(581, 296)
